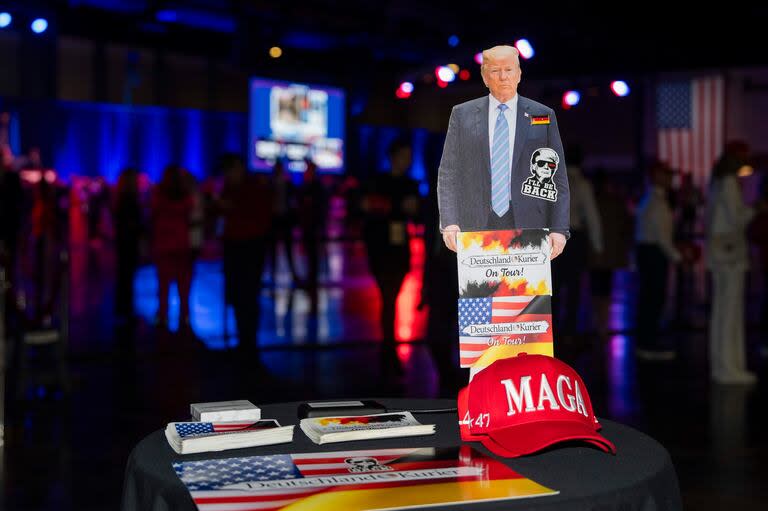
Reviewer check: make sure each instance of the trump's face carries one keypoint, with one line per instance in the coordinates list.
(501, 75)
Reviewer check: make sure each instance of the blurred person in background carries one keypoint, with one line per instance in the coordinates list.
(5, 127)
(98, 201)
(210, 190)
(246, 207)
(439, 291)
(10, 214)
(31, 161)
(10, 204)
(171, 210)
(283, 220)
(569, 270)
(618, 228)
(688, 201)
(389, 202)
(312, 204)
(48, 221)
(196, 217)
(728, 260)
(654, 252)
(6, 152)
(129, 229)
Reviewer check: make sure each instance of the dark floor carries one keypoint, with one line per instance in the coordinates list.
(69, 452)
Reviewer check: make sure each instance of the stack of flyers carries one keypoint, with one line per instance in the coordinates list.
(192, 437)
(322, 430)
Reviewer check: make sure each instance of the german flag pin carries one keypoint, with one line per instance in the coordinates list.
(539, 119)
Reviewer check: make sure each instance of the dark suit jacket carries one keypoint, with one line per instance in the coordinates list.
(464, 177)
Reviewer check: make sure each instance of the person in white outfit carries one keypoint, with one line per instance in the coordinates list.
(728, 260)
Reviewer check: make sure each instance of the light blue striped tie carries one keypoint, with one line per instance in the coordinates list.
(500, 169)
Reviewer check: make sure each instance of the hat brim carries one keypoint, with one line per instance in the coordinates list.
(529, 438)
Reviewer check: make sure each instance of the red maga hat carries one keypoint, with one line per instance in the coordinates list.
(521, 405)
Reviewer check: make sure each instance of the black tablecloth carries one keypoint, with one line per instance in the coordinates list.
(640, 477)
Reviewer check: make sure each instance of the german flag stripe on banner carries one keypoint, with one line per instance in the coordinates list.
(495, 353)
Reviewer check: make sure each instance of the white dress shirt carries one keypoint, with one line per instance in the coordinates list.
(510, 114)
(655, 222)
(728, 216)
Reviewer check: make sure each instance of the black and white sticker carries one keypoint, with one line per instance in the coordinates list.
(541, 184)
(365, 464)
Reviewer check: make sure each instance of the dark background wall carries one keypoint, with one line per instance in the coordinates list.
(94, 106)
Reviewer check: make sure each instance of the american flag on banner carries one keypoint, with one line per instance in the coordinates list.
(502, 309)
(690, 124)
(351, 480)
(498, 309)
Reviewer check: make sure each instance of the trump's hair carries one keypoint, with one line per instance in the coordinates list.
(499, 51)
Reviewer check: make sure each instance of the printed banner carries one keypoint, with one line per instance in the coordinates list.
(353, 480)
(505, 295)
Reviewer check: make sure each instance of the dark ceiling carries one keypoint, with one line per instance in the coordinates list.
(348, 41)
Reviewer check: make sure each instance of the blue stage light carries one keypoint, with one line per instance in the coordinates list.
(5, 19)
(571, 98)
(453, 41)
(197, 18)
(620, 88)
(39, 26)
(525, 48)
(167, 15)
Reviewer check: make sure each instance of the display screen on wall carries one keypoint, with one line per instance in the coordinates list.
(294, 122)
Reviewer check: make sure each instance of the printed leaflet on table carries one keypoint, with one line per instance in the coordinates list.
(354, 480)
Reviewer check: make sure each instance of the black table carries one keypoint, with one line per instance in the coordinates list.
(640, 477)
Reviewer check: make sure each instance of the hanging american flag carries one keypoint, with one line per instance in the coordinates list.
(690, 125)
(352, 480)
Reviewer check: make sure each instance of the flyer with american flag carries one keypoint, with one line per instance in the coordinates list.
(193, 437)
(353, 480)
(505, 295)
